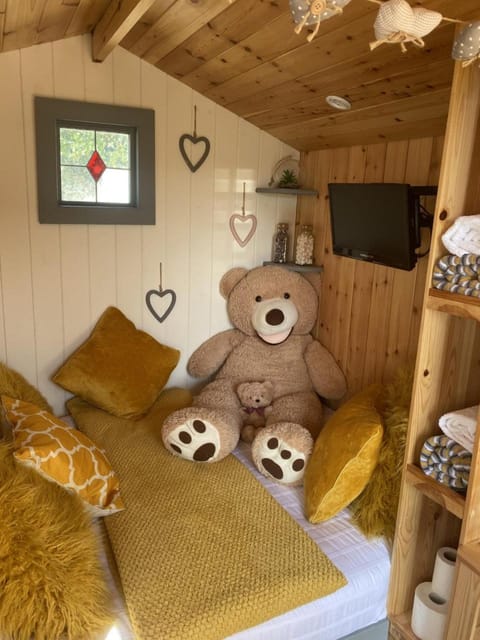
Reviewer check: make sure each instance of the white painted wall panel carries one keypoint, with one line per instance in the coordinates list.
(56, 280)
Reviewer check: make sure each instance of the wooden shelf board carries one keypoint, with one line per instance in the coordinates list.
(288, 192)
(454, 303)
(439, 493)
(401, 627)
(312, 268)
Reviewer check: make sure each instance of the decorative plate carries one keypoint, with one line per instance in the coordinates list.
(289, 163)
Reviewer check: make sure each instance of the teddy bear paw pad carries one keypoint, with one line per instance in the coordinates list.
(196, 440)
(281, 461)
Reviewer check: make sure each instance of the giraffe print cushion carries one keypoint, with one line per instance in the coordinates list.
(63, 455)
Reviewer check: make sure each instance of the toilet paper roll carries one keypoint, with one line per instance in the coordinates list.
(443, 572)
(429, 614)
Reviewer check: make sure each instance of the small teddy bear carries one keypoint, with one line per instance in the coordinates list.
(255, 398)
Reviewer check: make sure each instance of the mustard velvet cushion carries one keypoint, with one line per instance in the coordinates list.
(344, 456)
(119, 368)
(63, 455)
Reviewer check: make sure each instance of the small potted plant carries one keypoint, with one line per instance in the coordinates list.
(288, 180)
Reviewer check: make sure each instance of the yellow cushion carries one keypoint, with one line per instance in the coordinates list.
(63, 455)
(344, 456)
(119, 368)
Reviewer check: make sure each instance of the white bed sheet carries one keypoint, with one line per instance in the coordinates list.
(365, 564)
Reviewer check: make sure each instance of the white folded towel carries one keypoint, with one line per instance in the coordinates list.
(463, 236)
(461, 426)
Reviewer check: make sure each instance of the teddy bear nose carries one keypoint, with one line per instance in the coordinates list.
(275, 317)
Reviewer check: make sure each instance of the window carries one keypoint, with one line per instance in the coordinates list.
(95, 163)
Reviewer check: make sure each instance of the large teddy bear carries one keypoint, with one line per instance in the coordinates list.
(273, 311)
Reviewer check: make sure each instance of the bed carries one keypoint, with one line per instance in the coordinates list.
(328, 580)
(356, 606)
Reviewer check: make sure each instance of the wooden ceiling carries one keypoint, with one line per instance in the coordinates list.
(244, 55)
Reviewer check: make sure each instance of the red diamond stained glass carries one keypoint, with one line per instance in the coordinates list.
(96, 166)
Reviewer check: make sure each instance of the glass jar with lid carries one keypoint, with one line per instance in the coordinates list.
(304, 248)
(280, 243)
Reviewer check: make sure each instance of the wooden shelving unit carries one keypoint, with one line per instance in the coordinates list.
(447, 377)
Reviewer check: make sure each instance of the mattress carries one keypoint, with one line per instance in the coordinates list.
(365, 564)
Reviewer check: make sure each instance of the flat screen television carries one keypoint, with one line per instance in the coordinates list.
(376, 222)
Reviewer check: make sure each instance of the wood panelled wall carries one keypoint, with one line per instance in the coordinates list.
(56, 280)
(369, 314)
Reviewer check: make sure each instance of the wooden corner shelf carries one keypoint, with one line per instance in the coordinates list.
(444, 496)
(454, 303)
(288, 192)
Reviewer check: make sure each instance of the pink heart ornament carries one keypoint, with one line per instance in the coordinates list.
(238, 219)
(161, 294)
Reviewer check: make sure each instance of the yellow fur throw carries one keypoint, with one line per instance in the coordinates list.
(375, 510)
(51, 582)
(14, 385)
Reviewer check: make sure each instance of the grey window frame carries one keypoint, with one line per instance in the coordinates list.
(50, 113)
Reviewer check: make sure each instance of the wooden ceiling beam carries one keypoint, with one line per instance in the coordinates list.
(115, 23)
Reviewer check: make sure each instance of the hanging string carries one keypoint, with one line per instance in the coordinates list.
(243, 205)
(160, 285)
(195, 121)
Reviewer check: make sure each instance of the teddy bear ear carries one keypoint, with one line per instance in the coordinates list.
(230, 279)
(315, 279)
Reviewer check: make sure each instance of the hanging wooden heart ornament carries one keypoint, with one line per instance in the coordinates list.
(194, 140)
(193, 166)
(156, 295)
(243, 222)
(239, 223)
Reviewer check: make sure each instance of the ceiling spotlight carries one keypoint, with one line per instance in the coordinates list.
(338, 103)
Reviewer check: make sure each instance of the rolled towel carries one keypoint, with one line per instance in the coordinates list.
(463, 236)
(446, 461)
(461, 426)
(458, 275)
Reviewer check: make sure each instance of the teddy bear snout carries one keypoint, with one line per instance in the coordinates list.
(275, 317)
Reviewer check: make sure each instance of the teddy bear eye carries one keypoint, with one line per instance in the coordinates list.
(258, 299)
(286, 296)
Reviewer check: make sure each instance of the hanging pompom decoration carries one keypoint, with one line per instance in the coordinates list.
(467, 44)
(240, 220)
(309, 12)
(398, 23)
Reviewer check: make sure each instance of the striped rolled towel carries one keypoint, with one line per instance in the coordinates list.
(446, 461)
(458, 274)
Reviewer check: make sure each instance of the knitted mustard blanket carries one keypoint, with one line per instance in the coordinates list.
(203, 550)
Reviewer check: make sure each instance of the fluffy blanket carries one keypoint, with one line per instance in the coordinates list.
(51, 582)
(203, 551)
(458, 274)
(446, 461)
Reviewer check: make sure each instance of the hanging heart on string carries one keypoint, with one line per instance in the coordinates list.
(238, 219)
(193, 166)
(161, 294)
